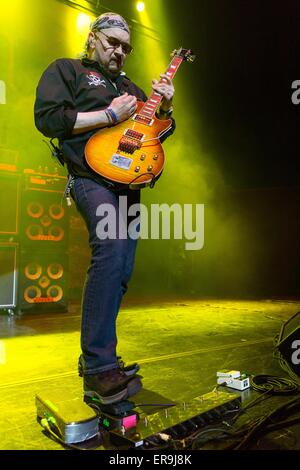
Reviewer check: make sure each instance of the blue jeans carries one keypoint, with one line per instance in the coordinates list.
(107, 276)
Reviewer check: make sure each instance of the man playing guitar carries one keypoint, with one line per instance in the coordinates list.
(75, 98)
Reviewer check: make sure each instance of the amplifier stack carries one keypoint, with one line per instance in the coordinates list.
(33, 242)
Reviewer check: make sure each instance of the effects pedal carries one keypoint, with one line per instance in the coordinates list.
(233, 379)
(115, 416)
(71, 419)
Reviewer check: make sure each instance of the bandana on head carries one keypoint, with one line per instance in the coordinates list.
(109, 21)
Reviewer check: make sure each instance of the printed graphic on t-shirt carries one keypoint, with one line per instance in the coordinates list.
(95, 79)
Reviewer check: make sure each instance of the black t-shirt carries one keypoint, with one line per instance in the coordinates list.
(69, 86)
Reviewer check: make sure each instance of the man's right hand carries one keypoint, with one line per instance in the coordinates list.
(124, 106)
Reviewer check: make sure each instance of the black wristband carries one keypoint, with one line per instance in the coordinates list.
(166, 113)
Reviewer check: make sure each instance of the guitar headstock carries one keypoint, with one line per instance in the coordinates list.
(185, 54)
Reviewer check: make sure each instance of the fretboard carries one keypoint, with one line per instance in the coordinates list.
(151, 105)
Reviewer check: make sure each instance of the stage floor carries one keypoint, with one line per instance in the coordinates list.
(179, 344)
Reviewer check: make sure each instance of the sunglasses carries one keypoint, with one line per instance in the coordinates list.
(115, 43)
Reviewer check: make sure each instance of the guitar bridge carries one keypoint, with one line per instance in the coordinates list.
(130, 141)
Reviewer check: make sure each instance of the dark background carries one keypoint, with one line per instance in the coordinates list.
(247, 58)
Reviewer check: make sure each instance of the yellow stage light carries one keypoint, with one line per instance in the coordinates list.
(83, 22)
(140, 6)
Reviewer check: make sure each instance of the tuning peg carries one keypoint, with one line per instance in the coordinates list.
(191, 57)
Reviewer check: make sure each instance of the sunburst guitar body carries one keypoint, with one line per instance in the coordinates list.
(130, 153)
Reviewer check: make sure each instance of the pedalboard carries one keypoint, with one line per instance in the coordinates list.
(178, 421)
(75, 421)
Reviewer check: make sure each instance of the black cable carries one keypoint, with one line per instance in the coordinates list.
(152, 182)
(222, 431)
(263, 421)
(283, 424)
(146, 446)
(273, 385)
(56, 152)
(286, 367)
(244, 410)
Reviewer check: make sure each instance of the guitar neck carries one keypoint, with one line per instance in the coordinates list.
(149, 108)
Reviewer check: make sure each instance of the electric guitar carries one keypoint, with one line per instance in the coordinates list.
(130, 153)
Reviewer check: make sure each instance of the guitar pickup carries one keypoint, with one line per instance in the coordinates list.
(143, 119)
(134, 135)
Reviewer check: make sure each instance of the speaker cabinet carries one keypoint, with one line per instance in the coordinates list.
(8, 275)
(289, 343)
(43, 273)
(44, 218)
(9, 203)
(43, 281)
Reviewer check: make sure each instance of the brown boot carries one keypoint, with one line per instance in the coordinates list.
(111, 386)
